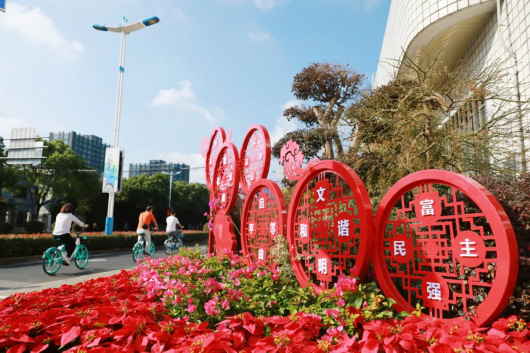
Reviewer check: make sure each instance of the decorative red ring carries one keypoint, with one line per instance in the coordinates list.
(266, 155)
(281, 209)
(234, 183)
(507, 266)
(365, 214)
(217, 131)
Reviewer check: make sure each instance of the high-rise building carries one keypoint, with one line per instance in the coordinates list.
(90, 147)
(159, 166)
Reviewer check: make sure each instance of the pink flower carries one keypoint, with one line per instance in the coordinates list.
(211, 307)
(191, 308)
(341, 302)
(334, 331)
(224, 304)
(332, 312)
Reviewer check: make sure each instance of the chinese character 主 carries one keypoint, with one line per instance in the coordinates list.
(261, 254)
(273, 227)
(303, 231)
(434, 290)
(399, 248)
(323, 266)
(251, 228)
(426, 207)
(468, 249)
(344, 228)
(320, 193)
(261, 203)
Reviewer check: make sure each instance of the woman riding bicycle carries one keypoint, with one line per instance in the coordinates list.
(63, 224)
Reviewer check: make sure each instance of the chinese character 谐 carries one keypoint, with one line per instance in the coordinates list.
(323, 266)
(468, 249)
(251, 228)
(303, 231)
(344, 228)
(399, 248)
(434, 290)
(273, 227)
(320, 193)
(426, 208)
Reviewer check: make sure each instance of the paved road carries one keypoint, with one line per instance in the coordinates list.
(30, 276)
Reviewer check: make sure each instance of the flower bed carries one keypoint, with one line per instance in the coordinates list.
(17, 245)
(190, 303)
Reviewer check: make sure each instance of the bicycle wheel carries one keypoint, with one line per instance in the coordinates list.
(180, 243)
(152, 249)
(50, 261)
(138, 249)
(168, 246)
(81, 257)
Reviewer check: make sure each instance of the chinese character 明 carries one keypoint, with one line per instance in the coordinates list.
(223, 198)
(344, 228)
(261, 203)
(251, 228)
(303, 231)
(261, 254)
(273, 227)
(426, 207)
(434, 290)
(399, 248)
(260, 156)
(320, 193)
(323, 266)
(468, 249)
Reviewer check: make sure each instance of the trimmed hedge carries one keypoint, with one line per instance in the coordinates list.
(22, 246)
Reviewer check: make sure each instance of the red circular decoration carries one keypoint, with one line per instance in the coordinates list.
(444, 242)
(225, 179)
(330, 224)
(255, 156)
(264, 217)
(217, 139)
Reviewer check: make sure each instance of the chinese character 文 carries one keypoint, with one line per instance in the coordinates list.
(399, 248)
(426, 207)
(468, 249)
(273, 227)
(251, 228)
(261, 203)
(261, 254)
(323, 266)
(303, 231)
(344, 228)
(434, 290)
(320, 193)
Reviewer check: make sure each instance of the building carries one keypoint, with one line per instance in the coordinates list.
(159, 166)
(90, 147)
(478, 32)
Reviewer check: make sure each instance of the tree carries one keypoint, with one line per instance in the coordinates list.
(61, 174)
(190, 201)
(328, 89)
(8, 174)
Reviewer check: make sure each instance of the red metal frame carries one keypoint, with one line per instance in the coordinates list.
(274, 210)
(321, 231)
(433, 230)
(258, 154)
(211, 154)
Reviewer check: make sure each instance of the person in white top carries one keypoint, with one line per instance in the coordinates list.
(61, 231)
(172, 223)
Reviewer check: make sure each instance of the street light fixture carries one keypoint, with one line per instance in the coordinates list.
(124, 29)
(170, 184)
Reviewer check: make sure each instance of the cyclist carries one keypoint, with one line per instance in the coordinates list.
(63, 224)
(172, 223)
(145, 220)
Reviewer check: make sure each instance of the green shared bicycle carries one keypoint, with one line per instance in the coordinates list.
(139, 248)
(53, 257)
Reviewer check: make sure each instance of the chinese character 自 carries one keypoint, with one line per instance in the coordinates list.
(261, 203)
(434, 290)
(261, 254)
(468, 249)
(344, 228)
(273, 227)
(323, 266)
(251, 228)
(303, 231)
(426, 207)
(399, 248)
(320, 193)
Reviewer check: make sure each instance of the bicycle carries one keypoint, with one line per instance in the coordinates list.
(139, 248)
(53, 257)
(170, 245)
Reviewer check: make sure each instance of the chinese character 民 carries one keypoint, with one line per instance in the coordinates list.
(223, 198)
(261, 254)
(251, 228)
(320, 193)
(261, 203)
(303, 231)
(426, 207)
(344, 228)
(273, 227)
(468, 249)
(399, 248)
(434, 290)
(323, 266)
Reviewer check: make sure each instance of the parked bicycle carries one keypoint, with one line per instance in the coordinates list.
(173, 243)
(139, 248)
(53, 257)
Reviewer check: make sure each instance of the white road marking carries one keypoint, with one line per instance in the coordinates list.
(97, 260)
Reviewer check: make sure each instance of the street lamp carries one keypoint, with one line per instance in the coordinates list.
(124, 29)
(170, 184)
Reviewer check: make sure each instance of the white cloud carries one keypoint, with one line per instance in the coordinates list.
(259, 36)
(371, 4)
(185, 98)
(267, 5)
(36, 27)
(193, 160)
(283, 126)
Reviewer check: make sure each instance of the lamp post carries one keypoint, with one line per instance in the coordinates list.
(171, 184)
(124, 29)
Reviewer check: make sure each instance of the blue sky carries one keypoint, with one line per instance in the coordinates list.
(207, 63)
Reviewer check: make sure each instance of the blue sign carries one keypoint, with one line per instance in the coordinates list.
(3, 5)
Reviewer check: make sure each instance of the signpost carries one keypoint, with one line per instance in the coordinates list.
(112, 180)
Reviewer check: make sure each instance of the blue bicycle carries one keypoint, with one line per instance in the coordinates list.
(173, 243)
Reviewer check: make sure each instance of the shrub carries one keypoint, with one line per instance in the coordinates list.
(6, 228)
(34, 227)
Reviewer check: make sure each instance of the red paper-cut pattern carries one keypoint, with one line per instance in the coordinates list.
(264, 217)
(444, 242)
(216, 141)
(292, 158)
(330, 224)
(255, 156)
